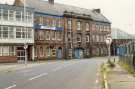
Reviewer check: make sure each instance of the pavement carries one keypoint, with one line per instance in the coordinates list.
(120, 79)
(72, 74)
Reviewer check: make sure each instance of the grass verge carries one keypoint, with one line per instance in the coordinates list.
(128, 67)
(105, 70)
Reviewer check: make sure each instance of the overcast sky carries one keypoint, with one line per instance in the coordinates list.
(120, 12)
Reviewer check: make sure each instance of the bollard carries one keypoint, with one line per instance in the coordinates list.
(114, 60)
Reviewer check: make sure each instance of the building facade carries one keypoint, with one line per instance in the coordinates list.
(85, 36)
(64, 31)
(49, 33)
(14, 32)
(119, 38)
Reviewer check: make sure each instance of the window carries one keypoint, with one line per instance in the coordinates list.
(1, 13)
(5, 14)
(59, 35)
(53, 52)
(47, 22)
(87, 27)
(18, 32)
(18, 16)
(48, 51)
(41, 35)
(29, 17)
(79, 25)
(44, 20)
(47, 35)
(11, 32)
(5, 32)
(1, 31)
(41, 51)
(30, 32)
(24, 32)
(69, 25)
(11, 50)
(53, 35)
(79, 37)
(11, 15)
(87, 38)
(5, 51)
(54, 23)
(93, 37)
(97, 38)
(59, 23)
(93, 27)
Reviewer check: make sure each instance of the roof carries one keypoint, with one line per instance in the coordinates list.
(58, 9)
(13, 7)
(119, 34)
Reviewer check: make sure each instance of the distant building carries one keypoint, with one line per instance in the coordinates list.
(119, 38)
(14, 32)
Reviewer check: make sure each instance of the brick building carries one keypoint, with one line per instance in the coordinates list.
(82, 31)
(14, 32)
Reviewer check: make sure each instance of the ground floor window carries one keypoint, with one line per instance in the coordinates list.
(7, 51)
(48, 52)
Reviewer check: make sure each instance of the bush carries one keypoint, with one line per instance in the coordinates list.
(111, 64)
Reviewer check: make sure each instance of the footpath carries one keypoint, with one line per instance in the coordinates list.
(7, 67)
(119, 78)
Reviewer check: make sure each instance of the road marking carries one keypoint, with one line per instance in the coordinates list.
(11, 86)
(97, 81)
(38, 76)
(56, 69)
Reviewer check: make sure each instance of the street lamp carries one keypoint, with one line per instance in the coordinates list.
(25, 21)
(108, 42)
(25, 48)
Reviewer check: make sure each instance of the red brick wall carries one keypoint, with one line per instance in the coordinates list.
(4, 59)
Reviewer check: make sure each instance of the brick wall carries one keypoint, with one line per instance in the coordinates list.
(8, 59)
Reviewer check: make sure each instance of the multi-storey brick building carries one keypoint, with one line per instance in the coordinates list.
(83, 35)
(14, 32)
(48, 36)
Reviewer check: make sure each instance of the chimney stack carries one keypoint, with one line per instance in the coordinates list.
(51, 1)
(97, 10)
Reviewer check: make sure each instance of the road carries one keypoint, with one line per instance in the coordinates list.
(72, 74)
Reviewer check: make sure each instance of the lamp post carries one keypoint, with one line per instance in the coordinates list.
(25, 48)
(108, 42)
(25, 44)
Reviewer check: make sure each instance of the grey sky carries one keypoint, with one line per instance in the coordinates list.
(120, 12)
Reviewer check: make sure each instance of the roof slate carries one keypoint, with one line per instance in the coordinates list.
(58, 9)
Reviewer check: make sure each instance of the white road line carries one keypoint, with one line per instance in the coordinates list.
(97, 81)
(56, 69)
(38, 76)
(11, 86)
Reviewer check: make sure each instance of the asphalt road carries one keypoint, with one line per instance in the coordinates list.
(73, 74)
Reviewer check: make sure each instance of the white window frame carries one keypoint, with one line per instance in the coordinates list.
(78, 25)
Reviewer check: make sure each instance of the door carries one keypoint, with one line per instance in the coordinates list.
(78, 53)
(59, 53)
(20, 55)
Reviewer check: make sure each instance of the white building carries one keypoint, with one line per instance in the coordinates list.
(16, 29)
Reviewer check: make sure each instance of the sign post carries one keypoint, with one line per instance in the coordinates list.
(108, 42)
(25, 48)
